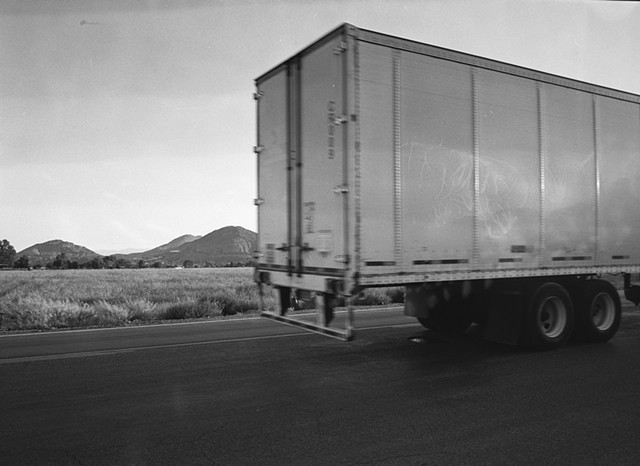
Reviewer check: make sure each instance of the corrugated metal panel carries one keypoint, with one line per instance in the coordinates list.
(570, 178)
(500, 166)
(509, 209)
(376, 169)
(618, 131)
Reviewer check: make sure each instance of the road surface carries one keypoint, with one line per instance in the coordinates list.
(259, 392)
(77, 343)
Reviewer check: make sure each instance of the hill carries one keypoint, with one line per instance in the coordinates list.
(160, 250)
(220, 247)
(44, 253)
(230, 244)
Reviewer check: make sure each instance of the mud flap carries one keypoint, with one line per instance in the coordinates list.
(632, 293)
(504, 320)
(418, 300)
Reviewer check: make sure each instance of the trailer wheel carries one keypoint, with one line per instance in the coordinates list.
(549, 317)
(599, 311)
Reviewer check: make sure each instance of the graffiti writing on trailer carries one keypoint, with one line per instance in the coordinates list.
(331, 129)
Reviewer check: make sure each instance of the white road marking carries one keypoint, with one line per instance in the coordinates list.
(194, 322)
(129, 349)
(138, 348)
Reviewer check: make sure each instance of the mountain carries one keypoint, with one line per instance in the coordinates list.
(160, 250)
(43, 253)
(120, 251)
(220, 247)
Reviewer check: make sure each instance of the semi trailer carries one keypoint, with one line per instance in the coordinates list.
(494, 194)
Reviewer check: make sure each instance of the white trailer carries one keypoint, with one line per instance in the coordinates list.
(492, 192)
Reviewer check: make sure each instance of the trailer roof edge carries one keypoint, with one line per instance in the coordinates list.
(409, 45)
(336, 31)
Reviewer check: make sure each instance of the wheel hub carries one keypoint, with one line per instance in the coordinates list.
(553, 317)
(603, 311)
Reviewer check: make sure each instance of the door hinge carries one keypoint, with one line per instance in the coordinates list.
(342, 259)
(258, 95)
(343, 189)
(284, 247)
(258, 201)
(340, 119)
(258, 149)
(340, 48)
(306, 248)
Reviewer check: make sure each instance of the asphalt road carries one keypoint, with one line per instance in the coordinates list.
(91, 342)
(260, 392)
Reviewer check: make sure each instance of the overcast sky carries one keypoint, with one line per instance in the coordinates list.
(127, 123)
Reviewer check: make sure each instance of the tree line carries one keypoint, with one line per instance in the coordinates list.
(62, 262)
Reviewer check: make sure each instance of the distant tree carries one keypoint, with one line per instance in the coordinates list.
(96, 263)
(21, 263)
(187, 264)
(61, 262)
(157, 265)
(142, 264)
(109, 262)
(7, 253)
(122, 264)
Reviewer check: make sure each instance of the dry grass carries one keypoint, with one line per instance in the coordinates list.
(47, 299)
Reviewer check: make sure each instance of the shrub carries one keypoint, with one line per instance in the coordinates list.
(396, 293)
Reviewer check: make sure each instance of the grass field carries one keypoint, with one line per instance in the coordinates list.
(52, 299)
(46, 299)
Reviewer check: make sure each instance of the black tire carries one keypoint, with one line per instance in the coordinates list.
(598, 312)
(549, 317)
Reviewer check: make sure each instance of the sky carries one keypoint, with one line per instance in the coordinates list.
(127, 123)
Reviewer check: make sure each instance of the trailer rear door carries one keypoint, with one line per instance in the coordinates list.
(301, 163)
(323, 187)
(273, 172)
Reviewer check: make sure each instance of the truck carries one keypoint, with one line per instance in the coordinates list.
(495, 194)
